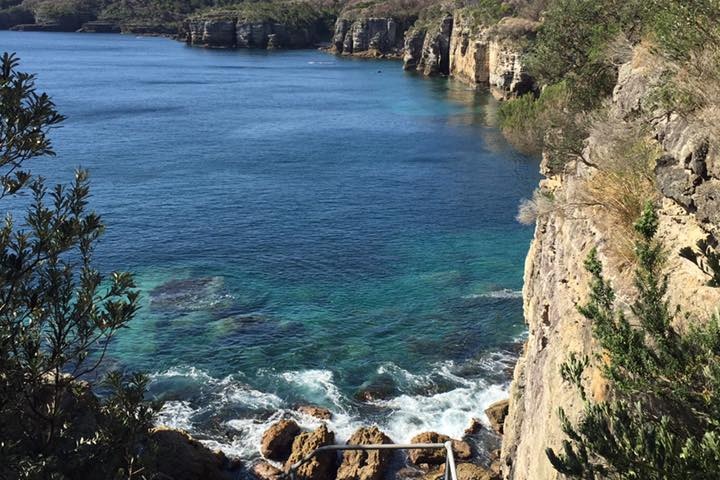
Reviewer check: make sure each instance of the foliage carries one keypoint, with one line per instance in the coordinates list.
(57, 313)
(664, 420)
(547, 123)
(572, 45)
(15, 16)
(487, 12)
(712, 260)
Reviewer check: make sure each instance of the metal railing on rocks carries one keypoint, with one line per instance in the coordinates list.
(450, 472)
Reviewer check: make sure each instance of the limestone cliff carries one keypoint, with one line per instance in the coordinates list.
(369, 36)
(688, 175)
(457, 45)
(232, 32)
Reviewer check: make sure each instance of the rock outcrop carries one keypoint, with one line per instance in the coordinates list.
(454, 44)
(362, 464)
(427, 48)
(175, 454)
(234, 30)
(277, 441)
(319, 467)
(320, 413)
(687, 170)
(369, 36)
(496, 414)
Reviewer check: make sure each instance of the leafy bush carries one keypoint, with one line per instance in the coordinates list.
(547, 124)
(663, 422)
(57, 313)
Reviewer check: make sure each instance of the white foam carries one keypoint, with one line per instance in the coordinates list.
(176, 414)
(248, 397)
(183, 371)
(316, 385)
(504, 293)
(448, 413)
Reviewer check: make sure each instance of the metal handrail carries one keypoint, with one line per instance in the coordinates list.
(450, 473)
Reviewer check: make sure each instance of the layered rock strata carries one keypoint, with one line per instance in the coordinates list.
(371, 36)
(237, 33)
(687, 170)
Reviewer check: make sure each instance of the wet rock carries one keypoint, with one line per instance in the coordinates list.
(321, 466)
(265, 471)
(98, 26)
(277, 441)
(379, 388)
(314, 411)
(428, 456)
(496, 413)
(365, 465)
(407, 473)
(462, 450)
(475, 427)
(179, 456)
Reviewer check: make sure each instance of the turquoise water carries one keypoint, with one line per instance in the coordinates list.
(304, 229)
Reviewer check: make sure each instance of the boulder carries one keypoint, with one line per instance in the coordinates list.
(177, 455)
(475, 427)
(277, 441)
(319, 467)
(496, 413)
(430, 457)
(462, 450)
(365, 465)
(315, 411)
(265, 471)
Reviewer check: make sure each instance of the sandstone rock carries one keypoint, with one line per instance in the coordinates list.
(707, 201)
(265, 471)
(475, 427)
(315, 411)
(176, 454)
(462, 450)
(277, 441)
(321, 466)
(431, 457)
(496, 413)
(365, 465)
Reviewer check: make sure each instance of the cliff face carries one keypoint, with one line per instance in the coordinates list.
(427, 49)
(688, 176)
(232, 32)
(372, 37)
(455, 45)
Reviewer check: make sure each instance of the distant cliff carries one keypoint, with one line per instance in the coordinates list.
(455, 44)
(259, 25)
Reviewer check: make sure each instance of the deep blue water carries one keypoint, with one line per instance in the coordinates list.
(303, 228)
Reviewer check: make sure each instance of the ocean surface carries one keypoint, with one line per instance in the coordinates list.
(305, 229)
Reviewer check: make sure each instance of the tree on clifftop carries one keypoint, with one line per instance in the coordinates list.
(57, 314)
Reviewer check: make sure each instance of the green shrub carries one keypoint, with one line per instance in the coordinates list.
(547, 123)
(663, 421)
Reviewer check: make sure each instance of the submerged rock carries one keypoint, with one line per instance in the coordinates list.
(191, 294)
(277, 441)
(379, 388)
(464, 471)
(365, 464)
(321, 466)
(496, 413)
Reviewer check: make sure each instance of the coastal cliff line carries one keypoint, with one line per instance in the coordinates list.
(686, 174)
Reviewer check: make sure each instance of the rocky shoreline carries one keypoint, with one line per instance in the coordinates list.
(284, 443)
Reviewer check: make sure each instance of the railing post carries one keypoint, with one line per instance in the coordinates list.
(447, 466)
